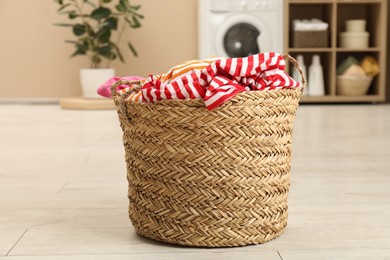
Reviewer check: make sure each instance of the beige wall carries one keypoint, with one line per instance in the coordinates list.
(35, 60)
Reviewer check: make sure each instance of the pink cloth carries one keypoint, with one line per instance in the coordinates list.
(105, 89)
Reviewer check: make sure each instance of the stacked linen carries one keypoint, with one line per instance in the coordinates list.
(216, 80)
(310, 25)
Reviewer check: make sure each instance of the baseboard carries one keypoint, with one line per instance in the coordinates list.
(30, 101)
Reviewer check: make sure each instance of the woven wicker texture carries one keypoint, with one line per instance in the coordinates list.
(209, 178)
(310, 39)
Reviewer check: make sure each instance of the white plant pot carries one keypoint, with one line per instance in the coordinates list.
(91, 79)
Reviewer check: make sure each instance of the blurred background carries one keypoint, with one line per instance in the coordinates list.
(36, 63)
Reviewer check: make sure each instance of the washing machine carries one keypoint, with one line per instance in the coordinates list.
(239, 28)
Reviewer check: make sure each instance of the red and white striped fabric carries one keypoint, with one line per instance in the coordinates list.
(223, 79)
(176, 72)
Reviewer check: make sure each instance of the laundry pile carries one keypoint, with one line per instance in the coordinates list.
(215, 80)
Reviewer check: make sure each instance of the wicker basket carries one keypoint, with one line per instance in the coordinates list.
(310, 39)
(209, 178)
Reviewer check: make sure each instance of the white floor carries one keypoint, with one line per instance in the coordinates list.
(63, 188)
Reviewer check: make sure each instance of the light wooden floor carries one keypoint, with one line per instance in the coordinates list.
(63, 188)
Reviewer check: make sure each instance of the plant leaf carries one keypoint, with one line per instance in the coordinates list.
(72, 14)
(90, 3)
(73, 42)
(78, 29)
(104, 50)
(112, 23)
(100, 13)
(96, 60)
(82, 47)
(64, 24)
(135, 7)
(79, 51)
(118, 52)
(89, 29)
(132, 49)
(106, 1)
(63, 7)
(86, 40)
(121, 7)
(133, 10)
(61, 2)
(103, 35)
(137, 15)
(67, 12)
(133, 24)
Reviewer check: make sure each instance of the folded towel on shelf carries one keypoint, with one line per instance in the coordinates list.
(310, 25)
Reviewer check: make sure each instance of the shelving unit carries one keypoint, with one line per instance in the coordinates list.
(336, 13)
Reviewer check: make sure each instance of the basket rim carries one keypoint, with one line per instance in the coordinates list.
(256, 95)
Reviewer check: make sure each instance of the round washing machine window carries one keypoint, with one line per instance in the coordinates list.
(241, 40)
(242, 35)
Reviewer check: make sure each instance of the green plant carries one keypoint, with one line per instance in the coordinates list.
(99, 26)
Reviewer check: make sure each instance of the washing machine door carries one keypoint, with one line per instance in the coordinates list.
(241, 35)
